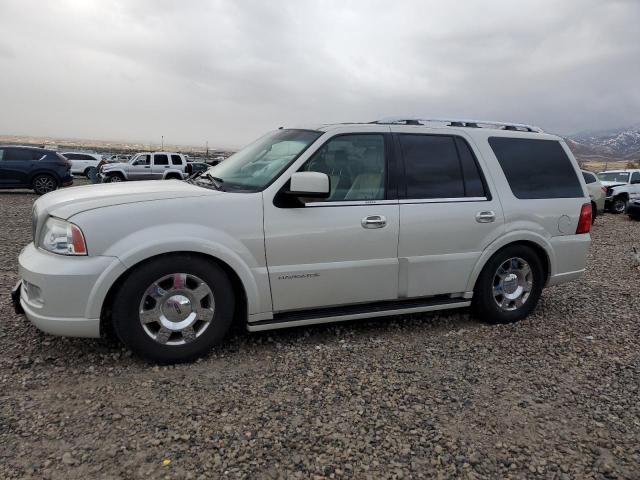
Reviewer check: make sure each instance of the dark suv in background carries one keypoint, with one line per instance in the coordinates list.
(37, 168)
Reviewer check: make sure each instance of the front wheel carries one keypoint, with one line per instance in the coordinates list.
(174, 309)
(114, 178)
(509, 286)
(619, 205)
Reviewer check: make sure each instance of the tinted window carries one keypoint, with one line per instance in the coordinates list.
(21, 154)
(635, 177)
(72, 156)
(473, 180)
(355, 165)
(588, 177)
(160, 159)
(176, 160)
(432, 167)
(536, 168)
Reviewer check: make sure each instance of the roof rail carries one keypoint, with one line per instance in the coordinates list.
(408, 120)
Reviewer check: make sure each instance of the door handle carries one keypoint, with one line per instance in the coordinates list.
(166, 166)
(147, 166)
(488, 216)
(374, 221)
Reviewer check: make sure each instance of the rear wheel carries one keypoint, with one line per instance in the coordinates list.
(509, 286)
(174, 309)
(44, 184)
(594, 212)
(90, 171)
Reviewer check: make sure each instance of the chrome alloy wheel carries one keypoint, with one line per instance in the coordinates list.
(512, 284)
(176, 309)
(44, 184)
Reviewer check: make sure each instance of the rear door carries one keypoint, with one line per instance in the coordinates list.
(160, 165)
(448, 214)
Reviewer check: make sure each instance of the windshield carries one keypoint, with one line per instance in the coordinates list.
(622, 177)
(257, 165)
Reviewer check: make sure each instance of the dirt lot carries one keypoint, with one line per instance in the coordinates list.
(555, 396)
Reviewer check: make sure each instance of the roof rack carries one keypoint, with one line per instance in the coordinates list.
(407, 120)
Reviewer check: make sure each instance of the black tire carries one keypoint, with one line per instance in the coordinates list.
(128, 303)
(114, 178)
(89, 170)
(44, 183)
(173, 177)
(619, 205)
(485, 304)
(594, 213)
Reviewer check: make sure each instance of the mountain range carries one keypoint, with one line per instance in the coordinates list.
(622, 144)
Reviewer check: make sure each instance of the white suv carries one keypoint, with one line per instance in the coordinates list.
(306, 226)
(83, 163)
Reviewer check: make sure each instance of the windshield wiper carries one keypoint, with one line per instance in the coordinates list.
(216, 181)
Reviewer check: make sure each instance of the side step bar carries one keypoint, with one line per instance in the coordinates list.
(354, 312)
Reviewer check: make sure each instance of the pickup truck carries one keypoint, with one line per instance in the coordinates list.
(146, 166)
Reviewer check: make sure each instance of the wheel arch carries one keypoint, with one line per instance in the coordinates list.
(43, 171)
(241, 302)
(536, 242)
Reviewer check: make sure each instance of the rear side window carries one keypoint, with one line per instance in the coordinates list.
(536, 168)
(160, 159)
(588, 177)
(439, 166)
(635, 177)
(176, 160)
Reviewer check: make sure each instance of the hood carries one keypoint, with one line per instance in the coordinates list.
(611, 184)
(67, 202)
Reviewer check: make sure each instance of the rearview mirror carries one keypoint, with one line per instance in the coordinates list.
(310, 184)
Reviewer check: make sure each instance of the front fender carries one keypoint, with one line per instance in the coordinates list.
(503, 241)
(154, 240)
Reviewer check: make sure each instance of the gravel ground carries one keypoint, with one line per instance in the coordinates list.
(425, 396)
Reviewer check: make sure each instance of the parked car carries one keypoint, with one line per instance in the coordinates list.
(196, 167)
(597, 193)
(146, 166)
(633, 209)
(622, 187)
(83, 163)
(308, 226)
(39, 169)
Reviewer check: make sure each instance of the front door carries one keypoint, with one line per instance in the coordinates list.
(634, 190)
(140, 169)
(342, 250)
(16, 165)
(447, 214)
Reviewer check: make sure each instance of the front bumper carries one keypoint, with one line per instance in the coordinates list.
(56, 291)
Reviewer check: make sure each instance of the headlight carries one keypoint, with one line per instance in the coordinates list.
(34, 222)
(62, 237)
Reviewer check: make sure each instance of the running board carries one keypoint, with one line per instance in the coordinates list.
(355, 312)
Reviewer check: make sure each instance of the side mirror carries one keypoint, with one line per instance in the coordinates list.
(310, 184)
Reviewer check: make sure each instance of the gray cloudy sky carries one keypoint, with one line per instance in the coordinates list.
(227, 70)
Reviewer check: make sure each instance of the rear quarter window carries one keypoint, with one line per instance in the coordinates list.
(535, 168)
